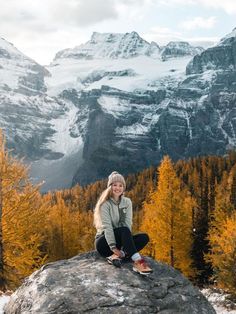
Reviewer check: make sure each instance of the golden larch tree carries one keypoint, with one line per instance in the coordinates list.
(222, 235)
(69, 229)
(168, 220)
(20, 215)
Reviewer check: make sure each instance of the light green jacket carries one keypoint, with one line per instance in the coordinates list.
(114, 215)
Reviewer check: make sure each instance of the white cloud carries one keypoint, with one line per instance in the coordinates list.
(162, 35)
(44, 15)
(229, 6)
(171, 3)
(135, 10)
(204, 42)
(82, 13)
(40, 28)
(199, 22)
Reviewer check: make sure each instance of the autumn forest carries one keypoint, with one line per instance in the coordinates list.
(187, 207)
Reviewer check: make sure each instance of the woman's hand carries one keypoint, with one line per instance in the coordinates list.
(117, 252)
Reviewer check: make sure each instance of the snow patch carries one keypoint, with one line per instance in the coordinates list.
(114, 105)
(132, 130)
(61, 140)
(150, 74)
(218, 299)
(4, 299)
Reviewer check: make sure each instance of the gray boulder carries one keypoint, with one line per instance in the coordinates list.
(86, 283)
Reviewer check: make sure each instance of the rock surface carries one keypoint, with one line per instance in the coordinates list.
(86, 283)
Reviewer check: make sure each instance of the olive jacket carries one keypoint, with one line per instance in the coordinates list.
(113, 215)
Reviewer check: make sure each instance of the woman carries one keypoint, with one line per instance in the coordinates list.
(113, 221)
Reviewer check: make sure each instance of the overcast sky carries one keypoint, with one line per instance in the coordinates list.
(40, 28)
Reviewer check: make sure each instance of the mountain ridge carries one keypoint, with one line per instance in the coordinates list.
(78, 119)
(117, 45)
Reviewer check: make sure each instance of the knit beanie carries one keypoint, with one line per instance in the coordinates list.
(116, 177)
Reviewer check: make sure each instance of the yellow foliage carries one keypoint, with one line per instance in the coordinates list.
(167, 217)
(222, 237)
(20, 211)
(69, 231)
(223, 254)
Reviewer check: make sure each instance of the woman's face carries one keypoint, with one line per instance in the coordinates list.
(117, 189)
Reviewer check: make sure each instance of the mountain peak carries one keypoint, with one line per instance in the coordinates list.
(19, 72)
(109, 45)
(104, 37)
(8, 50)
(178, 43)
(227, 40)
(111, 37)
(179, 49)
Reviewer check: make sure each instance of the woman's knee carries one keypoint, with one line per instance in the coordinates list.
(123, 229)
(146, 237)
(143, 237)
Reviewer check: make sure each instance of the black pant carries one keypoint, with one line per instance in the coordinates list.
(129, 243)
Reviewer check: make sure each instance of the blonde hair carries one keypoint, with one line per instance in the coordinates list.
(106, 194)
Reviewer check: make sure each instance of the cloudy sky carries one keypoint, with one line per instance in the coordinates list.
(40, 28)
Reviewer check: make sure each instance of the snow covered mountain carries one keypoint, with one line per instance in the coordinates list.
(176, 49)
(18, 72)
(28, 116)
(108, 45)
(119, 102)
(220, 57)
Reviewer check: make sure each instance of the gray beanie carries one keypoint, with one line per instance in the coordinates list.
(116, 177)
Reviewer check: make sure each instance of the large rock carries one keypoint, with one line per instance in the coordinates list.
(86, 283)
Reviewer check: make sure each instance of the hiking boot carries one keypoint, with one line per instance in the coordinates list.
(141, 267)
(114, 260)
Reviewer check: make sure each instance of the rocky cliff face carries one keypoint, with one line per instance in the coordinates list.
(25, 109)
(130, 135)
(220, 57)
(193, 117)
(33, 121)
(86, 283)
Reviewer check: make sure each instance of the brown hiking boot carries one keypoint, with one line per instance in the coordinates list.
(114, 260)
(142, 267)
